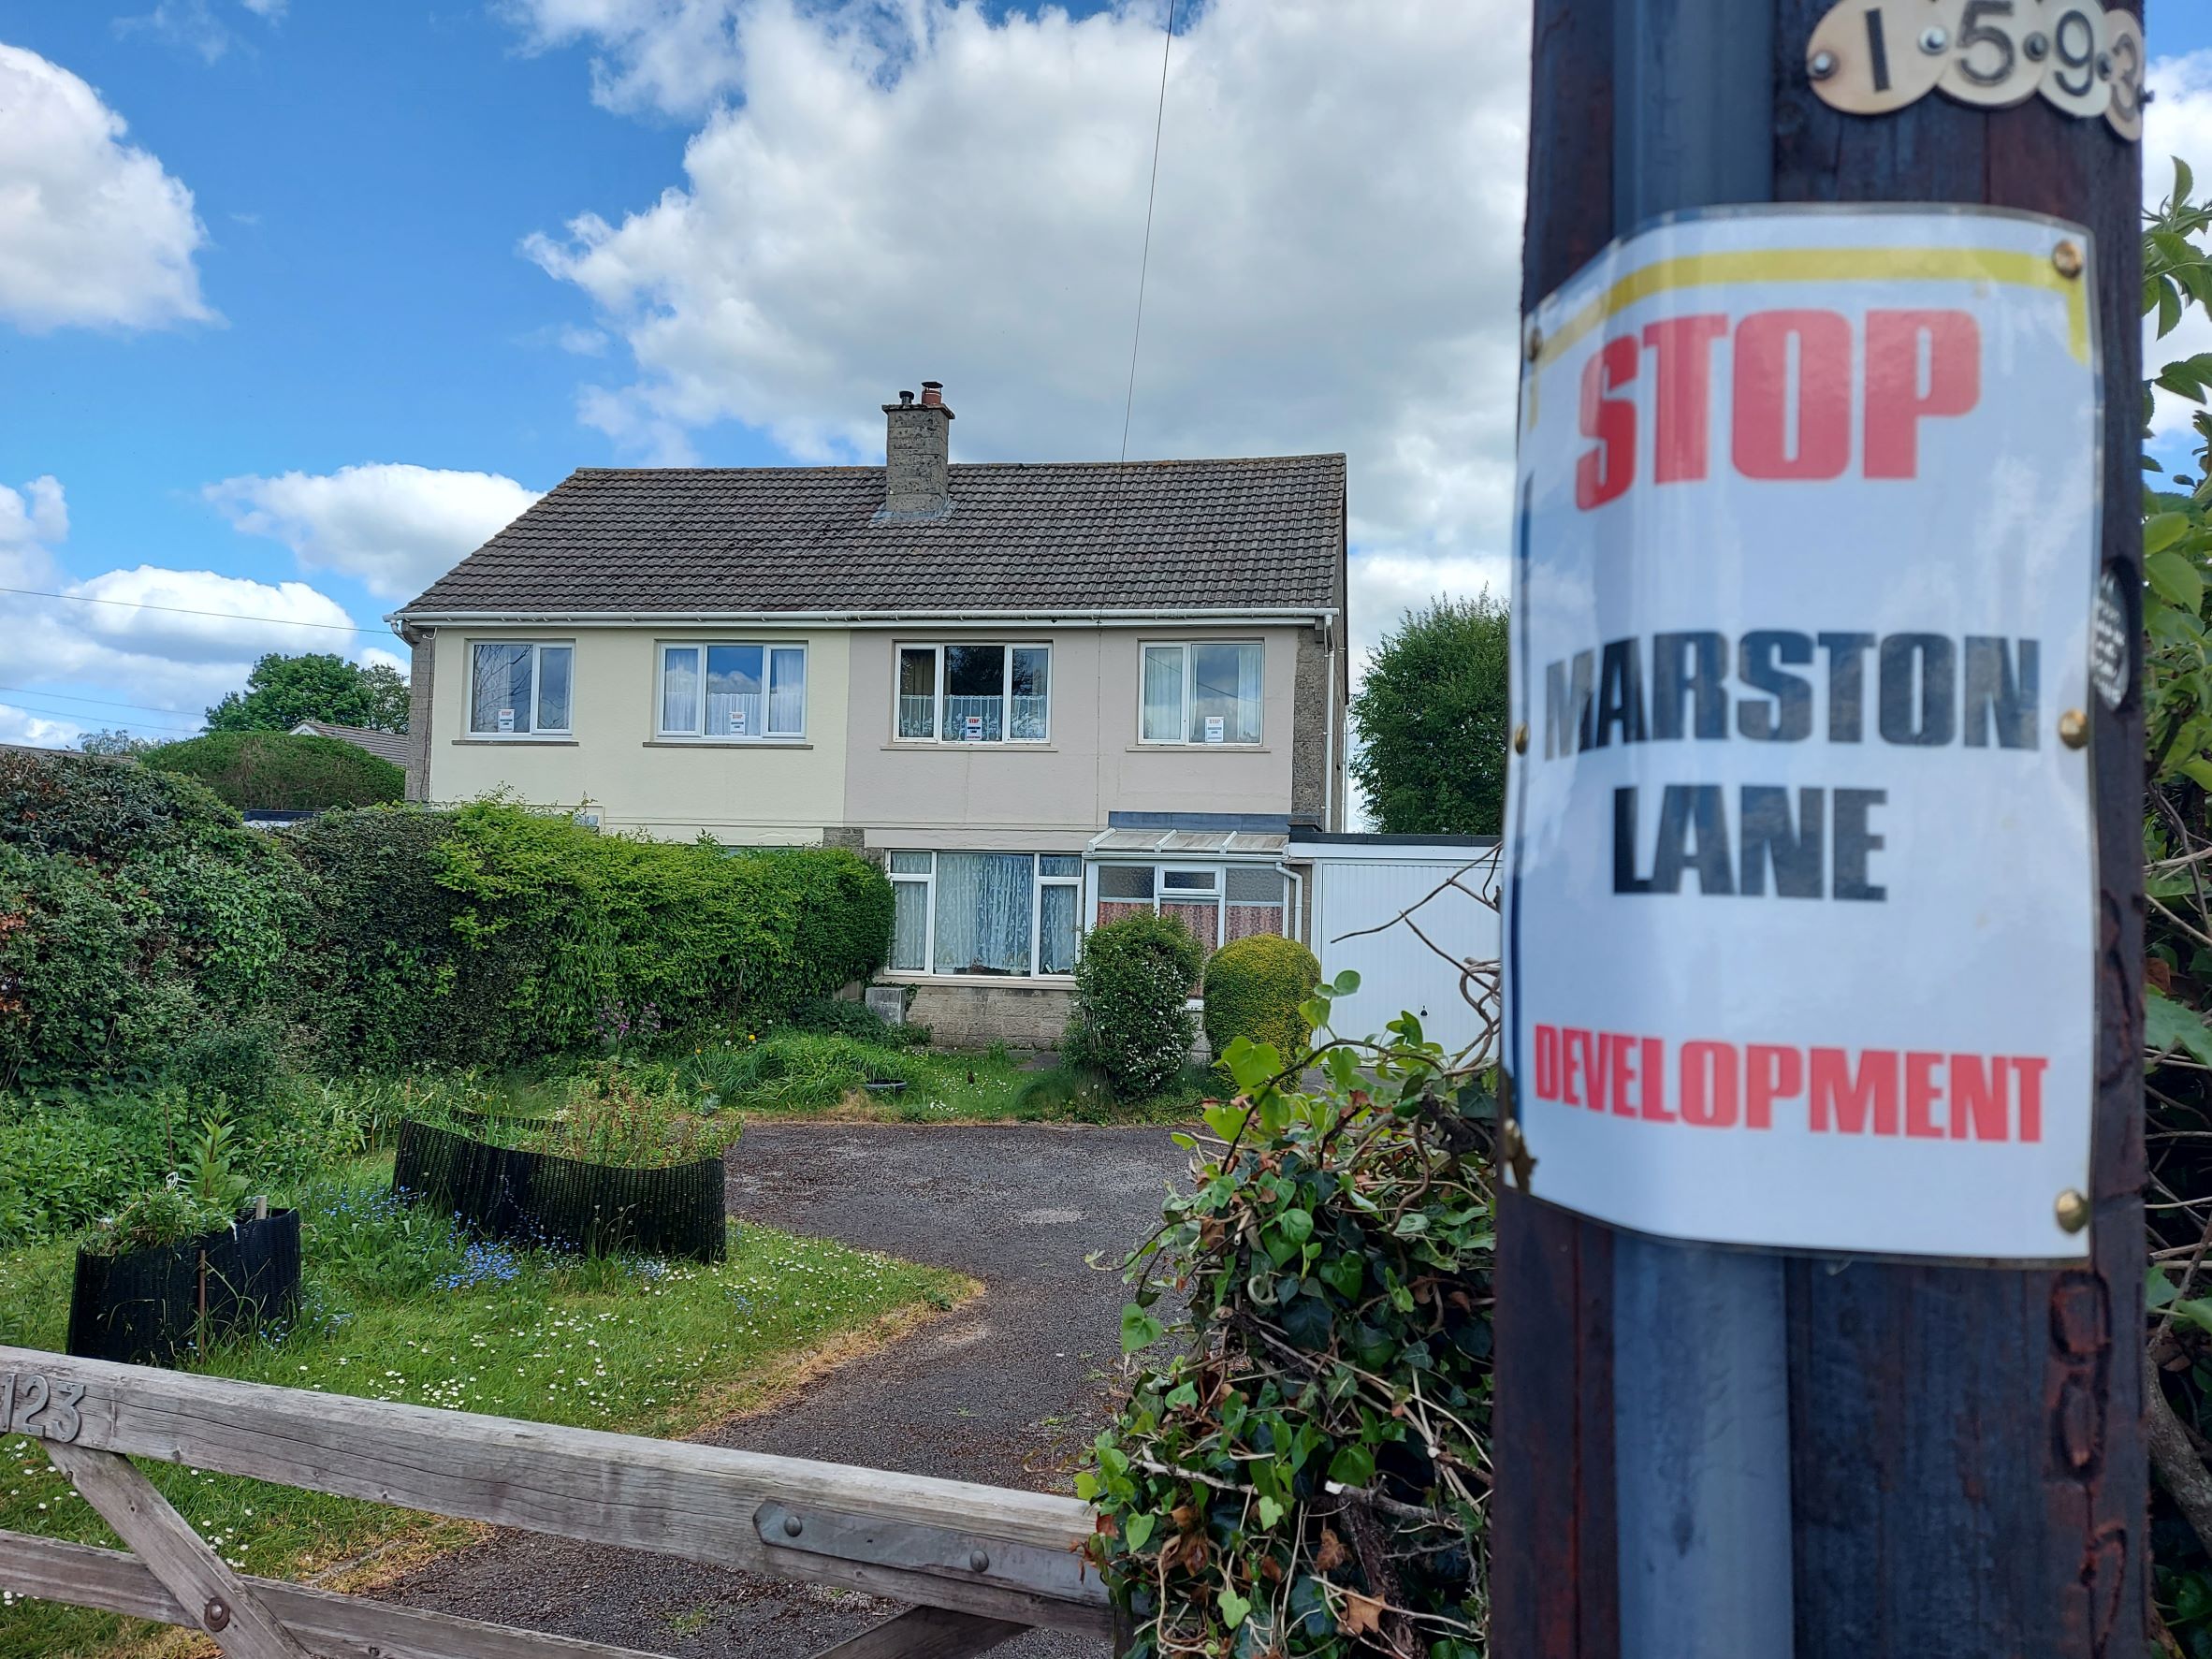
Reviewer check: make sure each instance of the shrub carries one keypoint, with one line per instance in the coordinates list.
(277, 771)
(103, 809)
(1131, 1022)
(1253, 989)
(1301, 1472)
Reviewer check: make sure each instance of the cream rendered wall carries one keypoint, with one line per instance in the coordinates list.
(743, 793)
(1052, 796)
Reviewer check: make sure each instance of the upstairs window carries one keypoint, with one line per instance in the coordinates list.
(1205, 692)
(974, 694)
(732, 691)
(519, 689)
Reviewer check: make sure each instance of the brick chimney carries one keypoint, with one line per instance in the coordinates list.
(916, 442)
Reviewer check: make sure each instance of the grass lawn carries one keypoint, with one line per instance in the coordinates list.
(399, 1306)
(817, 1073)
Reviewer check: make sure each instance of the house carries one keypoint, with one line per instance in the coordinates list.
(385, 746)
(1043, 695)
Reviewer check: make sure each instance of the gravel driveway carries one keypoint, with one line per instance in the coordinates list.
(1009, 1389)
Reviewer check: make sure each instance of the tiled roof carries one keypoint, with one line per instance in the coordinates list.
(1261, 533)
(385, 746)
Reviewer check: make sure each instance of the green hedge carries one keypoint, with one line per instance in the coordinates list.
(1131, 1022)
(145, 932)
(279, 772)
(1253, 989)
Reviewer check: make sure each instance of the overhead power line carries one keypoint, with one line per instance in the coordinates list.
(185, 610)
(95, 701)
(70, 713)
(1144, 264)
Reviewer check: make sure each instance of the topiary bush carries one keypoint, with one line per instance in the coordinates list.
(1253, 989)
(1131, 1022)
(279, 772)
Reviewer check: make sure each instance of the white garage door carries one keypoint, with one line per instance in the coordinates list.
(1397, 971)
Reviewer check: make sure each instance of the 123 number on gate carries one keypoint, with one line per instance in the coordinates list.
(1872, 57)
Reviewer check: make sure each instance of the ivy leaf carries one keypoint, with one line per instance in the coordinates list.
(1234, 1607)
(1352, 1465)
(1343, 1274)
(1270, 1512)
(1307, 1322)
(1139, 1329)
(1296, 1225)
(1137, 1528)
(2168, 1024)
(2173, 579)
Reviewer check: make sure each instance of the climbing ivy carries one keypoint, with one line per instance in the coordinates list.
(1303, 1470)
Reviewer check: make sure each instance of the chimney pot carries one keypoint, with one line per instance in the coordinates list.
(933, 394)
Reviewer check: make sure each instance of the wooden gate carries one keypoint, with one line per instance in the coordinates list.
(978, 1564)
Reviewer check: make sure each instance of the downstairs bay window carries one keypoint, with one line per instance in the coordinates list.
(1010, 914)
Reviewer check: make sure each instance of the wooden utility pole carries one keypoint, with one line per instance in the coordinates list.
(1733, 1454)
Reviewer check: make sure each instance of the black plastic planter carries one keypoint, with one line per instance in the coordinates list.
(147, 1307)
(534, 1198)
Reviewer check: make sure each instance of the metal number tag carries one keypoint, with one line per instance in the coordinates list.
(1869, 57)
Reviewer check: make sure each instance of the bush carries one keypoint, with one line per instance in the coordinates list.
(276, 771)
(1301, 1472)
(1253, 989)
(106, 810)
(1131, 1022)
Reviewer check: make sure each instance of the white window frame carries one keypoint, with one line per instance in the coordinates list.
(1161, 870)
(1184, 739)
(699, 733)
(1039, 881)
(537, 733)
(939, 693)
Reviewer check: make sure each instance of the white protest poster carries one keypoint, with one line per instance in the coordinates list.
(1800, 922)
(1214, 728)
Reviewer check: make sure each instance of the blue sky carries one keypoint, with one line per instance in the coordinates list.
(437, 255)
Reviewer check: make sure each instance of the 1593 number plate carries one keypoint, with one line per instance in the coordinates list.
(1872, 56)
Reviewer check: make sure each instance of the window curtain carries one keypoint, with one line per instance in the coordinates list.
(909, 925)
(501, 680)
(1246, 724)
(679, 688)
(787, 691)
(1057, 930)
(917, 694)
(1032, 692)
(1163, 693)
(975, 688)
(983, 912)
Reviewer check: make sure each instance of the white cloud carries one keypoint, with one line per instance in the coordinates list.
(92, 231)
(163, 639)
(398, 528)
(911, 190)
(2177, 123)
(675, 56)
(24, 725)
(1384, 586)
(271, 10)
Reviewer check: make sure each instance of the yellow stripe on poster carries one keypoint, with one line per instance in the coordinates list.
(1826, 265)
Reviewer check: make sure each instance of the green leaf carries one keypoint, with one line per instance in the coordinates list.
(2169, 307)
(2173, 579)
(2184, 181)
(1343, 1275)
(1139, 1329)
(2163, 529)
(1352, 1465)
(1270, 1512)
(2197, 1311)
(1234, 1607)
(1138, 1528)
(1346, 984)
(2168, 1024)
(1296, 1225)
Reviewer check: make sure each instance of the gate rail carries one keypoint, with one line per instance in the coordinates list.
(978, 1564)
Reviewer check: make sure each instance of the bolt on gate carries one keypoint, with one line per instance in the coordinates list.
(977, 1564)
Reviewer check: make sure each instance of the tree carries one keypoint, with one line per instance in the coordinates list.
(315, 686)
(1431, 721)
(112, 741)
